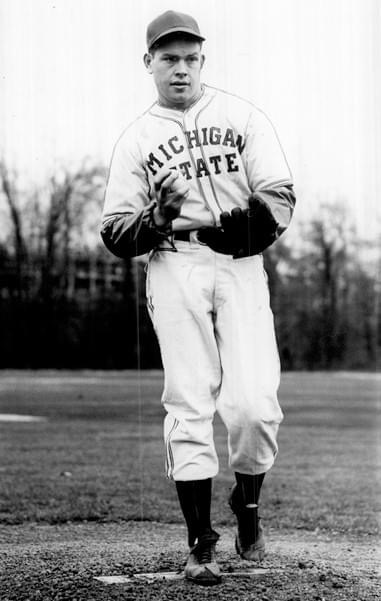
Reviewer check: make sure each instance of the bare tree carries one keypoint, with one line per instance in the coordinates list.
(325, 298)
(67, 224)
(20, 250)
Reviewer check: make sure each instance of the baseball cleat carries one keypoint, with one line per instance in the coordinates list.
(202, 567)
(250, 540)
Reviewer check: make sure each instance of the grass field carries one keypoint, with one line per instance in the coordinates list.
(98, 457)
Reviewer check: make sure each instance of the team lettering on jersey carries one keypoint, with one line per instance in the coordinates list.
(202, 166)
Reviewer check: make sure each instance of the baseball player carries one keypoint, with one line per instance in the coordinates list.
(200, 182)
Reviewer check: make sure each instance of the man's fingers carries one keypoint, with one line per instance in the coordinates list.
(164, 176)
(171, 192)
(265, 216)
(225, 219)
(169, 180)
(254, 203)
(237, 216)
(181, 189)
(173, 183)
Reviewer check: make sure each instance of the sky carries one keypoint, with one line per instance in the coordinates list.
(72, 77)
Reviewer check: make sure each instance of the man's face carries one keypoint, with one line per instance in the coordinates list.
(176, 68)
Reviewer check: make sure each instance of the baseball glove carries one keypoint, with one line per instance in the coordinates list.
(243, 232)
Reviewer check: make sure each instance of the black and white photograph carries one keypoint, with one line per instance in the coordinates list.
(190, 300)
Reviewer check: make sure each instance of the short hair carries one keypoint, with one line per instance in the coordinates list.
(174, 37)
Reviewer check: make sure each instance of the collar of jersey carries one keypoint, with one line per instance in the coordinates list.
(198, 104)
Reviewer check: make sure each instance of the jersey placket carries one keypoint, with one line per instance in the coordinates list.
(196, 152)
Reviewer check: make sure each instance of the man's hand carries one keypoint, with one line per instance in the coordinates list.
(171, 191)
(243, 232)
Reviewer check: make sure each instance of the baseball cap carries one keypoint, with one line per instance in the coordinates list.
(172, 22)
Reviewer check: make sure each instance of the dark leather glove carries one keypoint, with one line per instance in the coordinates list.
(243, 232)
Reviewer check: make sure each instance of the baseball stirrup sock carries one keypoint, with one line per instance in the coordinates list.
(249, 487)
(195, 500)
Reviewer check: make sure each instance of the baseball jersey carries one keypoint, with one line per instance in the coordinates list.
(225, 148)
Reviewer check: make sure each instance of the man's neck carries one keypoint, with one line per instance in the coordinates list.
(179, 107)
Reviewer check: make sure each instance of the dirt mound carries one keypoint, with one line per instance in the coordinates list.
(60, 562)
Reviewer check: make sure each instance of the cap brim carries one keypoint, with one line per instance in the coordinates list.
(176, 30)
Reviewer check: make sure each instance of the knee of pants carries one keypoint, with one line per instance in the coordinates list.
(260, 422)
(252, 417)
(253, 444)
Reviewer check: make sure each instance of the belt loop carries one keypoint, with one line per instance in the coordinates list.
(193, 240)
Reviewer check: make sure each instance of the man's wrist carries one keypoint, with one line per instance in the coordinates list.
(158, 219)
(157, 222)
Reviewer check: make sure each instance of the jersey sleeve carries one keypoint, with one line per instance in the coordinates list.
(127, 226)
(267, 169)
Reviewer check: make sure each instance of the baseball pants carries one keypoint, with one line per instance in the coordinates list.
(215, 329)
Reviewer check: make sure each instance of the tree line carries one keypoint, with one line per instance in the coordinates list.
(66, 302)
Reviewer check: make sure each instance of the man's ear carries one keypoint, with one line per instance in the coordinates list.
(202, 60)
(147, 59)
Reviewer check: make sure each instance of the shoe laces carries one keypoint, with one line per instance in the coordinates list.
(204, 550)
(204, 555)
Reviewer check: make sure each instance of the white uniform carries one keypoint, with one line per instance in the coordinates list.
(211, 312)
